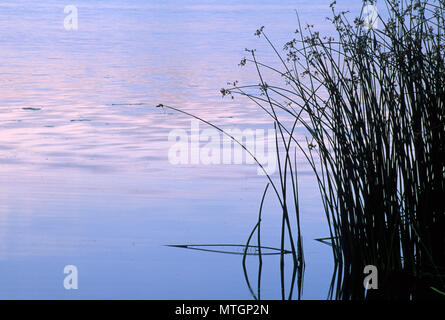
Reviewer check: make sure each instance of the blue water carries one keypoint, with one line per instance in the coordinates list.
(84, 176)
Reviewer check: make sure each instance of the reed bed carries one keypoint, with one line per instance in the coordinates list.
(371, 101)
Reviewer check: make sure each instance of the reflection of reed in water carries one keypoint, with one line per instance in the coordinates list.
(255, 250)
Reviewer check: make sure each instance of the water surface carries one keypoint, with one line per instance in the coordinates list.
(84, 174)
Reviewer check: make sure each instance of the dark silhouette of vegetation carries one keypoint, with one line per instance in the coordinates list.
(372, 104)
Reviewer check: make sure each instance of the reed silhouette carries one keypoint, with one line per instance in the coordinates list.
(372, 104)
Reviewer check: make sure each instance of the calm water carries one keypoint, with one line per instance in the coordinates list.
(84, 174)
